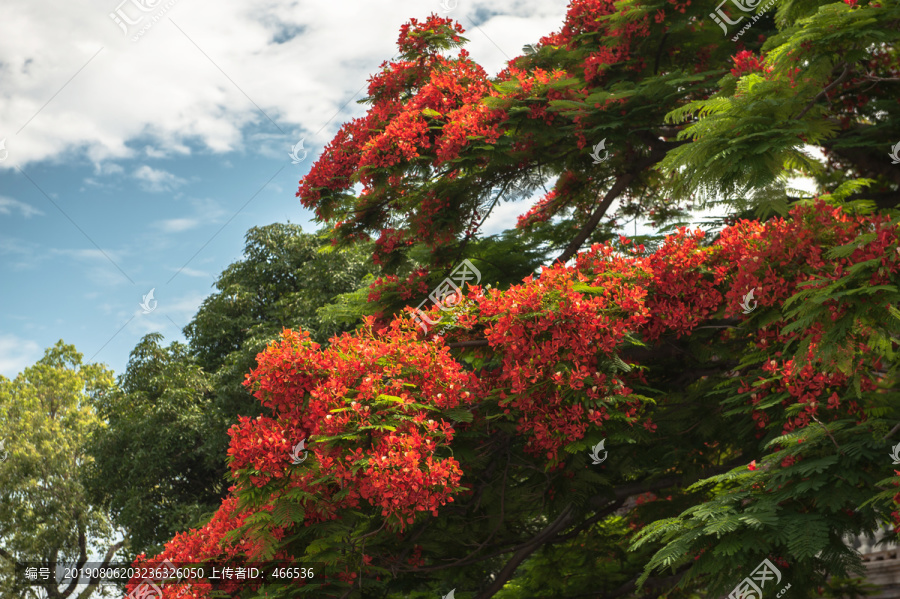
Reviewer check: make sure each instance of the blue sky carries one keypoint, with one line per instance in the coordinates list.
(136, 165)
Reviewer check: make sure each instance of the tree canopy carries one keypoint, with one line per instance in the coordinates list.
(47, 414)
(155, 445)
(741, 383)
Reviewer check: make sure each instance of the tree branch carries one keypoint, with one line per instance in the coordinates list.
(827, 89)
(629, 586)
(659, 51)
(870, 77)
(562, 521)
(82, 559)
(618, 187)
(890, 432)
(471, 343)
(828, 432)
(609, 509)
(639, 353)
(658, 150)
(550, 533)
(106, 560)
(52, 587)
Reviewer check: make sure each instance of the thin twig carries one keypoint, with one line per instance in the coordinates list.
(828, 432)
(472, 343)
(871, 77)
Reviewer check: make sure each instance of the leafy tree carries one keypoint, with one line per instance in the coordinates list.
(166, 428)
(741, 386)
(284, 280)
(153, 443)
(46, 518)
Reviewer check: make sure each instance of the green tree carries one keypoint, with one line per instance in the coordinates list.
(286, 279)
(47, 414)
(153, 468)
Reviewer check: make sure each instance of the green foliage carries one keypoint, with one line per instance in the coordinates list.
(47, 414)
(283, 279)
(154, 442)
(849, 588)
(759, 127)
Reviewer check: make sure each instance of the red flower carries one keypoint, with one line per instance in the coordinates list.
(746, 62)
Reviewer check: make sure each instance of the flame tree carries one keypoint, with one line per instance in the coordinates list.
(738, 428)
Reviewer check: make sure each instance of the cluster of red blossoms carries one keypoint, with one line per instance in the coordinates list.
(414, 284)
(372, 406)
(425, 111)
(430, 112)
(382, 390)
(369, 409)
(763, 255)
(747, 62)
(588, 18)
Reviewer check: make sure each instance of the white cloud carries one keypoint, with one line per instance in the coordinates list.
(211, 76)
(193, 272)
(87, 254)
(205, 211)
(105, 268)
(156, 180)
(184, 308)
(505, 214)
(16, 354)
(21, 254)
(177, 225)
(7, 205)
(108, 168)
